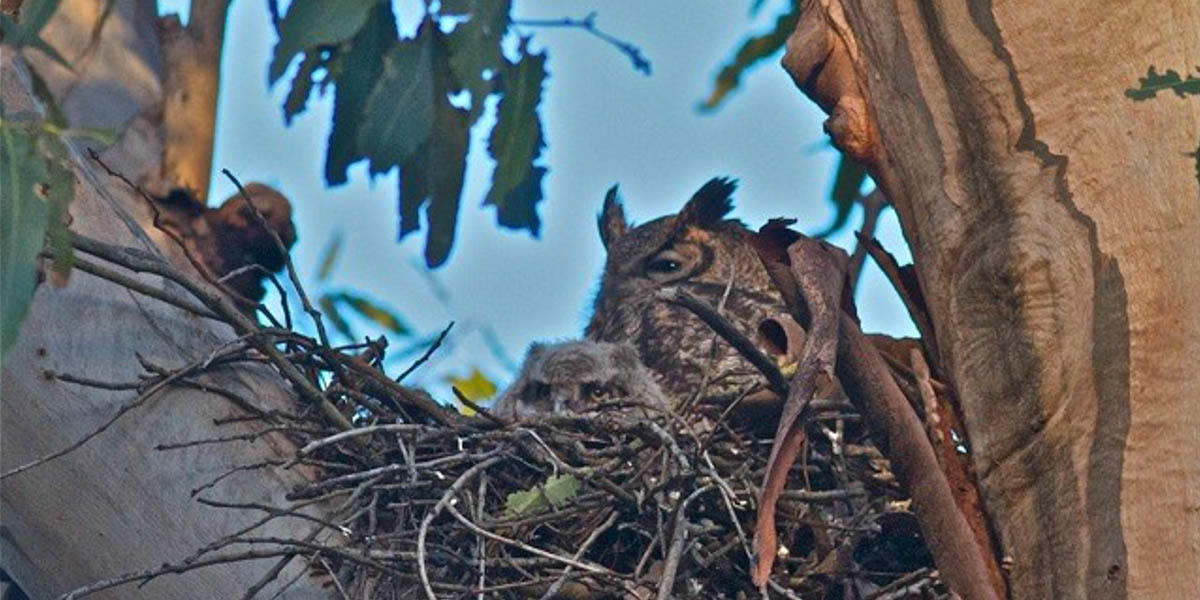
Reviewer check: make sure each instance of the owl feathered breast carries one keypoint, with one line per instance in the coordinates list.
(702, 252)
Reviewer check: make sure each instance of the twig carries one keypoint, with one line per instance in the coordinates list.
(283, 298)
(428, 352)
(128, 406)
(287, 258)
(135, 285)
(873, 204)
(910, 294)
(140, 261)
(737, 339)
(678, 540)
(583, 548)
(422, 568)
(483, 412)
(147, 575)
(584, 566)
(359, 431)
(588, 24)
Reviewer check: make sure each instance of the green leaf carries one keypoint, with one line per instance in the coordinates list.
(59, 193)
(36, 13)
(302, 84)
(847, 185)
(329, 257)
(1153, 83)
(516, 142)
(34, 16)
(459, 8)
(363, 56)
(475, 48)
(328, 304)
(24, 216)
(557, 491)
(399, 113)
(54, 113)
(433, 175)
(312, 23)
(371, 311)
(753, 51)
(560, 489)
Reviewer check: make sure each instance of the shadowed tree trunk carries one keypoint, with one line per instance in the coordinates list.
(116, 504)
(1053, 223)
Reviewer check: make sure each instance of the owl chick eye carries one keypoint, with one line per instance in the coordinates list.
(594, 391)
(541, 392)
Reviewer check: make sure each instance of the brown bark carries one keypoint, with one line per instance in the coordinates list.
(1053, 223)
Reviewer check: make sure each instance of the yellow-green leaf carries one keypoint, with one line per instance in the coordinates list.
(371, 311)
(557, 490)
(475, 387)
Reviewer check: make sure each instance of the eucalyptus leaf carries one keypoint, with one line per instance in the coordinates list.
(557, 490)
(754, 50)
(1154, 82)
(847, 187)
(475, 49)
(302, 84)
(516, 142)
(23, 220)
(309, 24)
(432, 176)
(372, 311)
(359, 63)
(398, 115)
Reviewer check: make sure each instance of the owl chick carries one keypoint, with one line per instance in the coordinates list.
(575, 376)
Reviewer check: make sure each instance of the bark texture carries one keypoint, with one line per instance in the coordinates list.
(1054, 225)
(116, 504)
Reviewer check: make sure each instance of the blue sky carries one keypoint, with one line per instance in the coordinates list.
(605, 124)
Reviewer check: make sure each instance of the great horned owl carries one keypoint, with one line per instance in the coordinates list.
(699, 251)
(575, 376)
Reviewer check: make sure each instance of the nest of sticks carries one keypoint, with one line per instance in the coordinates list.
(428, 503)
(601, 505)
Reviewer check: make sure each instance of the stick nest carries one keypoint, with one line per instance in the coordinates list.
(609, 504)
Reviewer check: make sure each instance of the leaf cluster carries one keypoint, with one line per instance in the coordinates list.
(410, 103)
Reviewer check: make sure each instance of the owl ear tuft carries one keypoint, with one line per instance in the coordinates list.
(709, 204)
(535, 352)
(612, 221)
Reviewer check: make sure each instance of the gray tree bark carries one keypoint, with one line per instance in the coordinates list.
(116, 504)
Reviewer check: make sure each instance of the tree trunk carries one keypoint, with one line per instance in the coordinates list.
(116, 504)
(1053, 223)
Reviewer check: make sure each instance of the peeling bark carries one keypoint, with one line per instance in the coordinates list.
(1053, 223)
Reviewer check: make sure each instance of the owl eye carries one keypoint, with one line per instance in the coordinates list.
(541, 393)
(663, 265)
(594, 391)
(669, 264)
